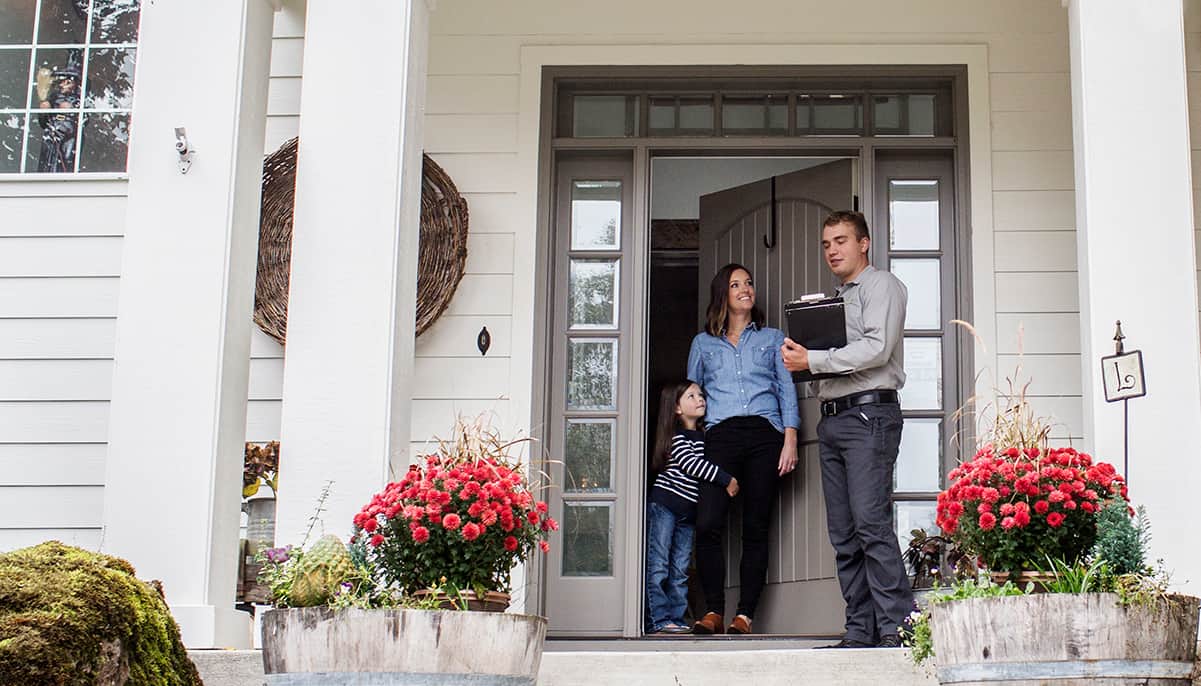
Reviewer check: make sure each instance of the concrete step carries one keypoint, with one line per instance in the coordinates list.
(674, 662)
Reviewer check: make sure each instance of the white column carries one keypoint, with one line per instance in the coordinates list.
(349, 356)
(178, 414)
(1137, 263)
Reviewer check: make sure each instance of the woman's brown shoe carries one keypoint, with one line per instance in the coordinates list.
(740, 625)
(711, 623)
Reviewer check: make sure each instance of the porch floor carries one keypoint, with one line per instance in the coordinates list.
(670, 662)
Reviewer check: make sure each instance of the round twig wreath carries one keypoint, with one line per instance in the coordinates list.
(441, 260)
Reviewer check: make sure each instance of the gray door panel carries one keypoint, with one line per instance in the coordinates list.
(802, 595)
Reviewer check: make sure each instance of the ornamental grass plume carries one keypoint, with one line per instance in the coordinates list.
(463, 518)
(1018, 501)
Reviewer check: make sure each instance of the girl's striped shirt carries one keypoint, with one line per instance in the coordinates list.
(676, 487)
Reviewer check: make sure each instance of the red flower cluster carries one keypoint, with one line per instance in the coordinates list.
(1017, 507)
(469, 522)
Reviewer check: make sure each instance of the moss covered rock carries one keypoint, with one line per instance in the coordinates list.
(73, 617)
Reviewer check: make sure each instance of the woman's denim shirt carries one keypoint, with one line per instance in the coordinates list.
(748, 380)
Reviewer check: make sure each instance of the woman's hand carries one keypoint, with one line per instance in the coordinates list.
(788, 454)
(732, 487)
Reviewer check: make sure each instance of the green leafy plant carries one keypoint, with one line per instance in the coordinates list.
(918, 636)
(1078, 576)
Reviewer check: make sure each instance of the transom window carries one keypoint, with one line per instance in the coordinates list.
(66, 84)
(919, 109)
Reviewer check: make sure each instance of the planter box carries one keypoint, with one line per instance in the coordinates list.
(317, 645)
(1065, 639)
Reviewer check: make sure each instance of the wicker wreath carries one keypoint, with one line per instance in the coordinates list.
(441, 260)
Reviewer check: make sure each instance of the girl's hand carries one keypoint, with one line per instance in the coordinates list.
(732, 487)
(788, 454)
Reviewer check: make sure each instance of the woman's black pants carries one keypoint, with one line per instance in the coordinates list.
(748, 448)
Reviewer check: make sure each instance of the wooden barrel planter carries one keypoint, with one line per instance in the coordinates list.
(1064, 639)
(319, 645)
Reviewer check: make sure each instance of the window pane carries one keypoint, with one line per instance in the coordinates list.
(110, 79)
(63, 21)
(14, 77)
(16, 22)
(804, 121)
(591, 374)
(591, 300)
(595, 215)
(918, 464)
(51, 145)
(921, 278)
(913, 515)
(105, 144)
(587, 540)
(903, 115)
(115, 21)
(923, 374)
(56, 81)
(760, 114)
(837, 114)
(604, 115)
(696, 115)
(12, 126)
(913, 215)
(588, 460)
(662, 115)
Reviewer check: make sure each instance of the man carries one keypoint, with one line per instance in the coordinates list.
(860, 433)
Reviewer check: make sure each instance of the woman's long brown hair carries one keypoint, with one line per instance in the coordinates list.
(718, 311)
(668, 423)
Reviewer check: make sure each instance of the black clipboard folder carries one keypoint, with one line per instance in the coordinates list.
(818, 323)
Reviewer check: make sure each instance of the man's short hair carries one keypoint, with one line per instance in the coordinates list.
(855, 219)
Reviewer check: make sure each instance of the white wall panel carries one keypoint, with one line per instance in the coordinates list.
(1032, 130)
(56, 380)
(1030, 251)
(61, 256)
(51, 506)
(1038, 333)
(1037, 292)
(472, 94)
(449, 378)
(470, 133)
(1047, 375)
(1033, 170)
(71, 216)
(52, 464)
(1025, 210)
(54, 422)
(87, 538)
(1030, 92)
(490, 253)
(58, 297)
(483, 294)
(33, 339)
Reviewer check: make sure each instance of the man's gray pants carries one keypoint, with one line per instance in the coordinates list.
(858, 449)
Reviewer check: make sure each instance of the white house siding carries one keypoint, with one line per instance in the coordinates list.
(60, 257)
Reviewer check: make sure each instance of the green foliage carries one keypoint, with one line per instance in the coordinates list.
(1079, 577)
(61, 607)
(321, 571)
(918, 635)
(1120, 542)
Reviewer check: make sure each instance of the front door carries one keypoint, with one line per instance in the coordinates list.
(773, 227)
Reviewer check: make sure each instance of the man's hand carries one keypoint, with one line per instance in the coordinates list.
(796, 356)
(732, 487)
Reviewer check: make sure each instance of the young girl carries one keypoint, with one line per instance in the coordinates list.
(679, 459)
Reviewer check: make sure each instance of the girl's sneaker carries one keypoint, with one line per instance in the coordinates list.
(673, 628)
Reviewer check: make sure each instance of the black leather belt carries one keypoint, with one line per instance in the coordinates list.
(846, 402)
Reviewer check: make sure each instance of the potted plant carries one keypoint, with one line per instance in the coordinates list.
(1060, 595)
(425, 554)
(260, 467)
(934, 561)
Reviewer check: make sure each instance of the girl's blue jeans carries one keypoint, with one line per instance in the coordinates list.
(669, 550)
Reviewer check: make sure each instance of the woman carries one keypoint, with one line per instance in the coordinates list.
(752, 425)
